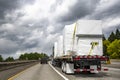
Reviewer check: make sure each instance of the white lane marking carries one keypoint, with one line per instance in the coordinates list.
(65, 78)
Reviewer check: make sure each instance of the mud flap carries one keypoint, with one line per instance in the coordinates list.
(69, 68)
(94, 67)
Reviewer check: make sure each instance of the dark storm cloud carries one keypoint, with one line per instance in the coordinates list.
(112, 11)
(7, 46)
(15, 39)
(80, 9)
(11, 43)
(7, 6)
(30, 44)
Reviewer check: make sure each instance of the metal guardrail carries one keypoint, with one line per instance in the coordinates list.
(14, 62)
(9, 65)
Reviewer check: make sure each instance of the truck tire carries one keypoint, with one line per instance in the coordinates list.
(65, 67)
(62, 67)
(69, 68)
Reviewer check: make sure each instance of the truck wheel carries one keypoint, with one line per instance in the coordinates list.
(69, 68)
(65, 67)
(62, 67)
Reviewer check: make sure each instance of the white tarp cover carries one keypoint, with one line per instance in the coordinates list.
(82, 45)
(55, 49)
(90, 27)
(60, 46)
(68, 38)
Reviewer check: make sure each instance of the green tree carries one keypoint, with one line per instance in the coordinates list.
(106, 42)
(112, 37)
(22, 57)
(114, 56)
(117, 34)
(44, 55)
(105, 45)
(1, 59)
(9, 59)
(32, 56)
(114, 49)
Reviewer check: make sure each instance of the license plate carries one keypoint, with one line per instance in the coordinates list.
(93, 67)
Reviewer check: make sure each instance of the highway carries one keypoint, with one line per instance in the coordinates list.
(48, 72)
(38, 72)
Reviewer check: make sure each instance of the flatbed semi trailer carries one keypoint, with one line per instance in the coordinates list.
(80, 49)
(84, 63)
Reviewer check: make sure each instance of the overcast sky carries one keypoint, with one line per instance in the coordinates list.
(33, 25)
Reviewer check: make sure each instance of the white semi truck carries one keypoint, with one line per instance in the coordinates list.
(80, 48)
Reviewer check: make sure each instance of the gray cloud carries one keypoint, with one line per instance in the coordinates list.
(79, 10)
(7, 46)
(104, 10)
(7, 6)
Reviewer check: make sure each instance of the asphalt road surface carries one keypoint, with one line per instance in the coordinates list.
(113, 65)
(46, 72)
(38, 72)
(4, 75)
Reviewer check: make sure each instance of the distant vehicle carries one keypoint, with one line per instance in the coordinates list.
(44, 61)
(80, 49)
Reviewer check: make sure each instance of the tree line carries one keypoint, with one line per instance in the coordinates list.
(26, 56)
(32, 56)
(111, 45)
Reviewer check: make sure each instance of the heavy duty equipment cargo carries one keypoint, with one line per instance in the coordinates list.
(81, 49)
(60, 46)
